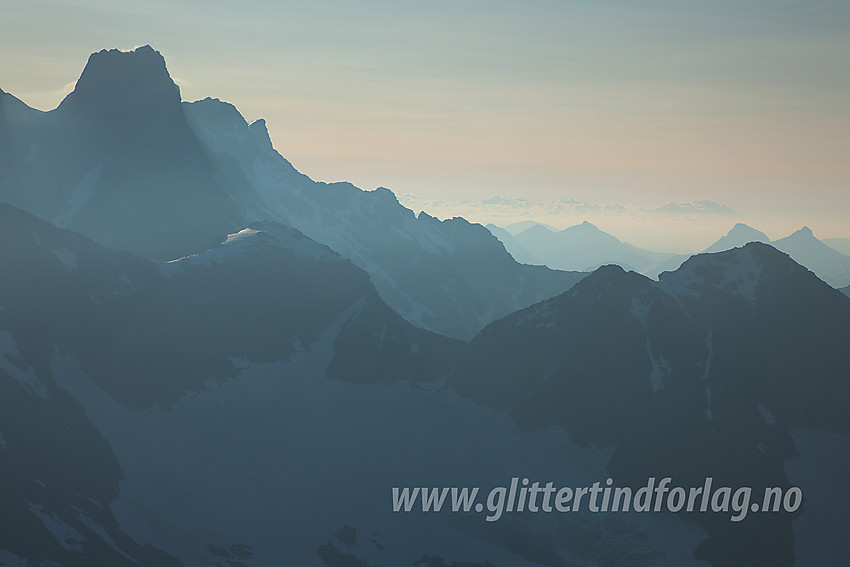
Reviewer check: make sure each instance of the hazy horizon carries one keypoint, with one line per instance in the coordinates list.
(662, 124)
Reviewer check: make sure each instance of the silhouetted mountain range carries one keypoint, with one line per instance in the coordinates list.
(740, 235)
(580, 245)
(587, 246)
(830, 265)
(124, 162)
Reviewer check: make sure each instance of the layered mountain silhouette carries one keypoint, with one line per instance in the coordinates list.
(514, 248)
(117, 161)
(587, 246)
(581, 245)
(830, 265)
(125, 162)
(738, 236)
(705, 372)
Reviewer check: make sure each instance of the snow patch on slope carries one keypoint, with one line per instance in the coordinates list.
(660, 369)
(263, 234)
(737, 273)
(640, 310)
(65, 535)
(13, 364)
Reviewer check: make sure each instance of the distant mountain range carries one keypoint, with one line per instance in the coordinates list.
(581, 245)
(586, 246)
(125, 162)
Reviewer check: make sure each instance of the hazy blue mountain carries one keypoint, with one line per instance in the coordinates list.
(450, 276)
(740, 235)
(583, 247)
(734, 366)
(513, 247)
(521, 226)
(840, 244)
(831, 266)
(845, 290)
(122, 161)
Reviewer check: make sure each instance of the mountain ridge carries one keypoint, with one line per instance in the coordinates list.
(136, 169)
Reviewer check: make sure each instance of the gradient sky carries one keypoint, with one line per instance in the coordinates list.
(663, 122)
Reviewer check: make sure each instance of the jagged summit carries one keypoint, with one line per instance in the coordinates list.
(222, 126)
(116, 84)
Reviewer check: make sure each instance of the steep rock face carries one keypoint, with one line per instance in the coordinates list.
(118, 162)
(701, 374)
(122, 161)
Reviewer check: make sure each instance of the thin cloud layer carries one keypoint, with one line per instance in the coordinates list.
(501, 205)
(671, 226)
(704, 207)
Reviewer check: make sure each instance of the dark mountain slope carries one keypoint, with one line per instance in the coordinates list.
(704, 373)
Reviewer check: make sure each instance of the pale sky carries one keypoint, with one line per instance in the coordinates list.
(663, 122)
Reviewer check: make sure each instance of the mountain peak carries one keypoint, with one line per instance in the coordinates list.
(805, 231)
(585, 226)
(259, 133)
(115, 84)
(741, 227)
(537, 229)
(738, 236)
